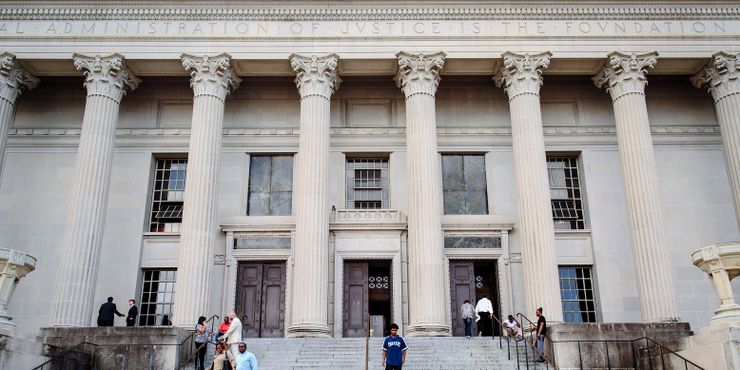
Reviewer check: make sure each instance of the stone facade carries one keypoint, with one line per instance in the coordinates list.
(657, 163)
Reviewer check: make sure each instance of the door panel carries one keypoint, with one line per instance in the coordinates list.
(355, 299)
(273, 293)
(249, 284)
(462, 287)
(260, 295)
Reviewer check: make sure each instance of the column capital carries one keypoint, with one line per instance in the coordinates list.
(522, 73)
(106, 75)
(14, 78)
(419, 73)
(625, 73)
(721, 76)
(316, 75)
(211, 75)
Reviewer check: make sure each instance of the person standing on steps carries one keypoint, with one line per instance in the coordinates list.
(106, 312)
(394, 350)
(541, 330)
(224, 359)
(467, 312)
(245, 360)
(133, 311)
(484, 308)
(202, 333)
(234, 334)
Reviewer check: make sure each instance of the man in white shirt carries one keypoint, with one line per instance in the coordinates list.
(234, 334)
(512, 328)
(484, 308)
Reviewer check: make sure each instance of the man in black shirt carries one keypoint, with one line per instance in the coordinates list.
(133, 311)
(106, 312)
(541, 332)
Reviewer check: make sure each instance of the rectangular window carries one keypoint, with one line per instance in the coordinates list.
(367, 183)
(167, 195)
(464, 184)
(565, 192)
(577, 294)
(157, 297)
(270, 185)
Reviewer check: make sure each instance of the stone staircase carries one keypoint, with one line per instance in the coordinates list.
(424, 353)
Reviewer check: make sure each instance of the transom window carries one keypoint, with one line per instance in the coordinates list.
(464, 184)
(157, 297)
(565, 192)
(270, 185)
(367, 183)
(167, 195)
(577, 294)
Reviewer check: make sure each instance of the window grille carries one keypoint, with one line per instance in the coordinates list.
(464, 184)
(565, 191)
(270, 185)
(167, 195)
(577, 294)
(367, 183)
(157, 297)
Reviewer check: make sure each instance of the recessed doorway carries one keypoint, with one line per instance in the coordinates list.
(367, 298)
(471, 280)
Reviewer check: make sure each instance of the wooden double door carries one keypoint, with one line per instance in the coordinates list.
(260, 295)
(470, 280)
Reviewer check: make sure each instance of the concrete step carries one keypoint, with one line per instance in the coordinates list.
(349, 353)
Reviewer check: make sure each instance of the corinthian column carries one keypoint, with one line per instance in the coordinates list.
(316, 79)
(624, 77)
(13, 79)
(521, 78)
(418, 78)
(722, 78)
(106, 80)
(212, 79)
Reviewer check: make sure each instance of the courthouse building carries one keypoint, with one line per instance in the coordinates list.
(308, 164)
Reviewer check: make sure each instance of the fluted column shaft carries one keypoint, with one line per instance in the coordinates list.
(521, 77)
(625, 78)
(722, 79)
(13, 80)
(211, 79)
(107, 80)
(316, 80)
(418, 77)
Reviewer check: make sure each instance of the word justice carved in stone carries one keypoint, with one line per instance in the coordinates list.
(384, 29)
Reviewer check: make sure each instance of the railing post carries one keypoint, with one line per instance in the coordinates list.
(662, 360)
(647, 347)
(608, 362)
(580, 358)
(517, 355)
(634, 356)
(94, 358)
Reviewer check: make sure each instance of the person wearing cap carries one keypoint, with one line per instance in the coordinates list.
(245, 360)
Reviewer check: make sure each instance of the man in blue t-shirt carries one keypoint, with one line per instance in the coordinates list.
(394, 350)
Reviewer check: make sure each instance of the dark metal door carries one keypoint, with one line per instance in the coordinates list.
(355, 299)
(462, 287)
(260, 296)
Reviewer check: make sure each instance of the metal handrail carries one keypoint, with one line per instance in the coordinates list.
(548, 361)
(63, 354)
(503, 328)
(632, 343)
(191, 339)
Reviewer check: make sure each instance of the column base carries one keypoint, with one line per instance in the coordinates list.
(726, 314)
(308, 330)
(428, 330)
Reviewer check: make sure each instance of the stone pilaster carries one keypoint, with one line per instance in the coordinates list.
(418, 78)
(316, 79)
(13, 80)
(624, 78)
(212, 79)
(521, 78)
(722, 78)
(107, 79)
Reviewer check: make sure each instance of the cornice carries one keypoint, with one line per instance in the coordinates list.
(368, 11)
